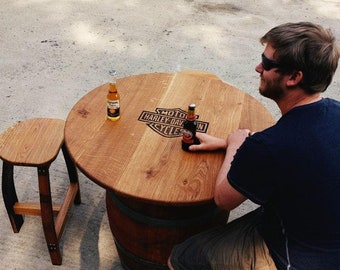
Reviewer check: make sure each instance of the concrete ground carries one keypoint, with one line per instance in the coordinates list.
(54, 52)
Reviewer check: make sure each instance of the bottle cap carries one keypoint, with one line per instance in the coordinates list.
(112, 72)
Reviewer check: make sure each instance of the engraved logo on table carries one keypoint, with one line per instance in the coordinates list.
(169, 122)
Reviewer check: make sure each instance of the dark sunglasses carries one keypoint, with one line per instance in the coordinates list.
(268, 64)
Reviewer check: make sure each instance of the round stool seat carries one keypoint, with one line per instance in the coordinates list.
(32, 142)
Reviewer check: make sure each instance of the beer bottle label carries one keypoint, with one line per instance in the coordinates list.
(188, 136)
(113, 104)
(113, 108)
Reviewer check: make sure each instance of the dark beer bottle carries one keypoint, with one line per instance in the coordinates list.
(113, 98)
(189, 128)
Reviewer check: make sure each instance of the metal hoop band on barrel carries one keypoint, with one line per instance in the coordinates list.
(142, 218)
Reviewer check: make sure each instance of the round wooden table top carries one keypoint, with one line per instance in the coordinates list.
(140, 155)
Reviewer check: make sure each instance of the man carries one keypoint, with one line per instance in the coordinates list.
(292, 170)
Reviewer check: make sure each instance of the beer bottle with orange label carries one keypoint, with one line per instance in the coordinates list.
(189, 128)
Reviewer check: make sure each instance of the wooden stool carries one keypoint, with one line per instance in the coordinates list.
(36, 143)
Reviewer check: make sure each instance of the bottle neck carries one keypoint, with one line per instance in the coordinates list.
(112, 76)
(191, 115)
(112, 88)
(112, 81)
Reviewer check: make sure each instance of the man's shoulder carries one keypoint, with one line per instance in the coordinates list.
(332, 102)
(332, 107)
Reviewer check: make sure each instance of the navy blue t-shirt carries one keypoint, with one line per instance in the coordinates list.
(293, 170)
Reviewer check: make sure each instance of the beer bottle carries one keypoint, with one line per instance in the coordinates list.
(189, 128)
(113, 98)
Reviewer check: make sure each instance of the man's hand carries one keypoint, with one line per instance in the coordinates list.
(208, 143)
(211, 143)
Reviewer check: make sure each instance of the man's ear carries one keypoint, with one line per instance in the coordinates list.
(295, 78)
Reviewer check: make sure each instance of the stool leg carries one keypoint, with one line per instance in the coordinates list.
(10, 196)
(72, 172)
(47, 215)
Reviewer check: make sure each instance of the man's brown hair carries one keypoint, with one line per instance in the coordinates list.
(305, 47)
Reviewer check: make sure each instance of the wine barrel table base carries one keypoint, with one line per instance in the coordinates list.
(146, 233)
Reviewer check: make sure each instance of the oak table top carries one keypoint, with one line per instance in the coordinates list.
(140, 155)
